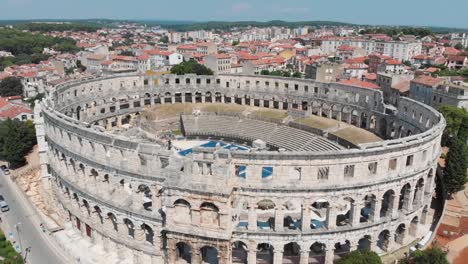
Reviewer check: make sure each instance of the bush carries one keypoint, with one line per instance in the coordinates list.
(191, 66)
(360, 257)
(16, 140)
(11, 86)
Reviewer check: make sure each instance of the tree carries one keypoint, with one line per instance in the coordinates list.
(235, 42)
(458, 46)
(430, 256)
(11, 86)
(297, 75)
(264, 72)
(16, 140)
(453, 117)
(191, 66)
(164, 39)
(407, 63)
(80, 66)
(455, 167)
(463, 130)
(360, 257)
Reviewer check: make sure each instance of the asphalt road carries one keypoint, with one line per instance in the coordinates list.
(31, 235)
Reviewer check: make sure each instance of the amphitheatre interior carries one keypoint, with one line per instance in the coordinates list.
(238, 169)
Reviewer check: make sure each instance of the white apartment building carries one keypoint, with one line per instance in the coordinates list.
(400, 50)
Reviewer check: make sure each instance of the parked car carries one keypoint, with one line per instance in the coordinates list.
(4, 206)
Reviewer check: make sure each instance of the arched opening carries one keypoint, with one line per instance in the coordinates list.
(344, 211)
(209, 255)
(383, 128)
(113, 221)
(341, 250)
(86, 206)
(292, 253)
(400, 234)
(97, 211)
(430, 180)
(418, 192)
(184, 253)
(367, 210)
(388, 202)
(183, 212)
(317, 253)
(149, 233)
(94, 174)
(354, 118)
(363, 120)
(239, 252)
(209, 214)
(319, 214)
(147, 200)
(126, 120)
(413, 228)
(130, 227)
(265, 253)
(266, 215)
(78, 113)
(384, 240)
(292, 215)
(364, 244)
(405, 198)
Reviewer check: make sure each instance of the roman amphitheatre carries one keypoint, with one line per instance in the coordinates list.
(237, 169)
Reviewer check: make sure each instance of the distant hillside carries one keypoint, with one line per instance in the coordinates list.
(224, 25)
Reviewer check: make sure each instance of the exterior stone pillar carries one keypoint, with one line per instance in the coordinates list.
(252, 218)
(222, 99)
(279, 214)
(196, 256)
(163, 99)
(233, 100)
(331, 217)
(278, 255)
(173, 99)
(243, 101)
(394, 206)
(304, 257)
(375, 215)
(355, 213)
(183, 98)
(252, 256)
(408, 200)
(261, 103)
(329, 254)
(203, 99)
(305, 224)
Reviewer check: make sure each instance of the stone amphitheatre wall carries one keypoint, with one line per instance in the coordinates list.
(155, 205)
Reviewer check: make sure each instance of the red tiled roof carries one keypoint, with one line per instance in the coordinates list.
(359, 83)
(427, 80)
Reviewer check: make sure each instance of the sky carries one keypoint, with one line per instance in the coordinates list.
(448, 13)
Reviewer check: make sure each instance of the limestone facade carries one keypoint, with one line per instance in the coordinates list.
(155, 206)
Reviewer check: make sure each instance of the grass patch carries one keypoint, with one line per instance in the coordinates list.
(8, 252)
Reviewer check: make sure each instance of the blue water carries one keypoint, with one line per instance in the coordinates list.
(212, 144)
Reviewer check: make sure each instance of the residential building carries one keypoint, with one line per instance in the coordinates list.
(324, 72)
(422, 88)
(219, 63)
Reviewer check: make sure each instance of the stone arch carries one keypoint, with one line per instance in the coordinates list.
(383, 241)
(98, 212)
(344, 215)
(373, 122)
(367, 211)
(292, 215)
(265, 253)
(209, 214)
(355, 118)
(400, 234)
(209, 255)
(413, 226)
(317, 253)
(183, 211)
(291, 253)
(130, 227)
(239, 252)
(363, 120)
(266, 219)
(341, 250)
(146, 196)
(112, 219)
(78, 113)
(418, 192)
(184, 252)
(319, 213)
(429, 181)
(364, 244)
(388, 202)
(149, 233)
(405, 198)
